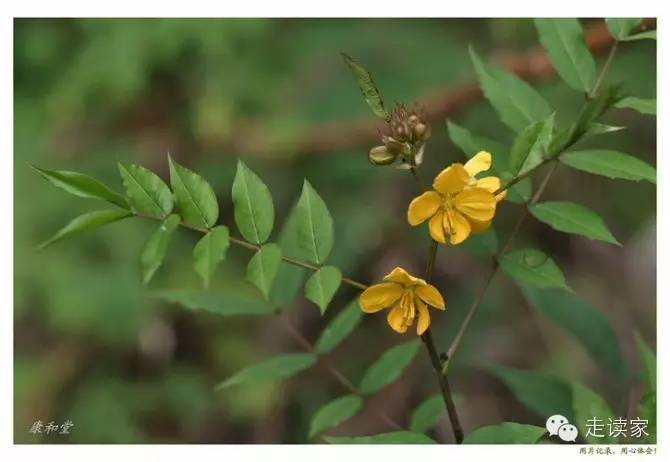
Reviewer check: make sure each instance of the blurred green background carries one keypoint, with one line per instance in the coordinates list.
(91, 345)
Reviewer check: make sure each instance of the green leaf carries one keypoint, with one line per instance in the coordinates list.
(471, 144)
(278, 367)
(569, 217)
(533, 267)
(584, 321)
(148, 194)
(263, 267)
(596, 128)
(506, 433)
(612, 164)
(82, 185)
(587, 404)
(313, 225)
(322, 285)
(564, 40)
(641, 105)
(290, 279)
(388, 367)
(85, 222)
(620, 28)
(544, 394)
(334, 413)
(426, 414)
(516, 102)
(650, 34)
(254, 211)
(368, 88)
(210, 251)
(195, 197)
(531, 147)
(339, 328)
(217, 303)
(521, 192)
(400, 437)
(156, 247)
(648, 359)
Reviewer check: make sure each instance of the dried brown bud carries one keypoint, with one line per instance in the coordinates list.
(379, 155)
(420, 130)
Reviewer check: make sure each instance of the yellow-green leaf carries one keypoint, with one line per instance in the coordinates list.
(322, 285)
(263, 267)
(87, 221)
(82, 185)
(254, 210)
(612, 164)
(195, 197)
(210, 251)
(148, 194)
(156, 247)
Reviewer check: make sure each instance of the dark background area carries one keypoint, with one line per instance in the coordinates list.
(92, 345)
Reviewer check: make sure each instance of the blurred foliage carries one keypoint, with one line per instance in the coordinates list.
(91, 346)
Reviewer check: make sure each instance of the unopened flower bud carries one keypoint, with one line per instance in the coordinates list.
(420, 130)
(379, 155)
(413, 120)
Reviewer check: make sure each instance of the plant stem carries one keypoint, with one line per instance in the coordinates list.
(333, 370)
(254, 248)
(427, 339)
(604, 70)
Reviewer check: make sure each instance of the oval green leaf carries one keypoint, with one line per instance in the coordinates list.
(370, 92)
(506, 433)
(533, 267)
(339, 328)
(82, 185)
(87, 221)
(612, 164)
(388, 367)
(563, 39)
(427, 414)
(278, 367)
(542, 393)
(334, 413)
(584, 321)
(516, 102)
(254, 210)
(148, 194)
(195, 197)
(400, 437)
(322, 285)
(156, 247)
(569, 217)
(210, 251)
(641, 105)
(313, 225)
(263, 267)
(224, 304)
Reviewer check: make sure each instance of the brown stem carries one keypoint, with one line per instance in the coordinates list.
(334, 371)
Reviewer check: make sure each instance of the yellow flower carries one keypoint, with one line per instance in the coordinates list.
(460, 204)
(407, 295)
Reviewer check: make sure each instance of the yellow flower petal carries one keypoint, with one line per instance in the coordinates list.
(396, 319)
(476, 203)
(380, 296)
(402, 277)
(436, 227)
(479, 226)
(423, 207)
(430, 295)
(480, 162)
(458, 226)
(424, 318)
(491, 184)
(451, 180)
